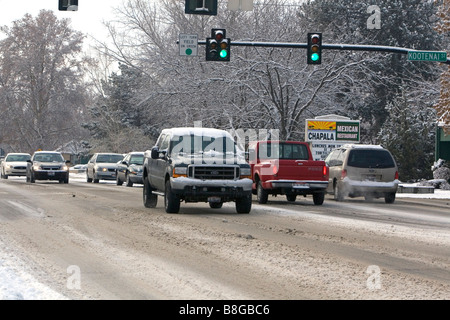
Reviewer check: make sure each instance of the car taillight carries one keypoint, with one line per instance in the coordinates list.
(325, 171)
(343, 174)
(396, 175)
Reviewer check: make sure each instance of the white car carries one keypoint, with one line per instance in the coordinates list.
(15, 164)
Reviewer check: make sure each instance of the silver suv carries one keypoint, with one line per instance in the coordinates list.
(362, 170)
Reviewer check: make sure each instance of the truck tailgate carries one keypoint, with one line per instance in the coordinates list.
(303, 170)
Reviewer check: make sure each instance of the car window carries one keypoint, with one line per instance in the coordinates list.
(49, 157)
(370, 159)
(109, 158)
(194, 144)
(160, 140)
(287, 151)
(17, 157)
(335, 158)
(165, 143)
(268, 151)
(137, 159)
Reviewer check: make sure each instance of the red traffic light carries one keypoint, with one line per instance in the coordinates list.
(218, 35)
(315, 39)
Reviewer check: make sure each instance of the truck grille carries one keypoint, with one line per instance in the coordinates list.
(50, 168)
(214, 172)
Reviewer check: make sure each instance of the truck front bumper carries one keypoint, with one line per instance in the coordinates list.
(195, 190)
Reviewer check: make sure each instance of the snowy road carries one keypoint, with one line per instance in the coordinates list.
(97, 241)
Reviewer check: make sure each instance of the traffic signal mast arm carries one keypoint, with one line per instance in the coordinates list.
(351, 47)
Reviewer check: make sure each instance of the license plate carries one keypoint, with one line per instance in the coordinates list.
(51, 173)
(370, 177)
(299, 186)
(214, 199)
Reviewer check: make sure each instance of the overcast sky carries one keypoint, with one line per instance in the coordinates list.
(88, 19)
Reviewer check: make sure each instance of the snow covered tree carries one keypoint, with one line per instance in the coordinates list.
(42, 90)
(377, 81)
(117, 122)
(443, 105)
(409, 133)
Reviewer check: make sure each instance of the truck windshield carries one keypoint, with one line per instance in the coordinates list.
(194, 144)
(287, 151)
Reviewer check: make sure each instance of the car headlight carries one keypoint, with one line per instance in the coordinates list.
(102, 169)
(36, 167)
(65, 168)
(179, 172)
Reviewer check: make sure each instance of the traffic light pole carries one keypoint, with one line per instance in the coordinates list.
(351, 47)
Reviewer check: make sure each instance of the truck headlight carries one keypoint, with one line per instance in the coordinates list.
(246, 173)
(179, 172)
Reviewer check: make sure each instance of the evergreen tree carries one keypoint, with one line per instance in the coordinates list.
(409, 134)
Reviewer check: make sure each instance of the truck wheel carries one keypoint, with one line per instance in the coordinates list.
(244, 204)
(171, 200)
(118, 181)
(261, 194)
(389, 197)
(215, 205)
(318, 198)
(150, 199)
(291, 197)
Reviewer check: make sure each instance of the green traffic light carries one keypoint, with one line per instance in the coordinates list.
(315, 57)
(223, 54)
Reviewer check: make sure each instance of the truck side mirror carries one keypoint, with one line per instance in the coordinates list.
(155, 153)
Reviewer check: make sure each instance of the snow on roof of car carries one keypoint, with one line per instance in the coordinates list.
(365, 146)
(198, 131)
(47, 152)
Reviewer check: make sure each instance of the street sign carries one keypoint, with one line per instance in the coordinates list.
(240, 5)
(326, 133)
(188, 44)
(440, 56)
(207, 7)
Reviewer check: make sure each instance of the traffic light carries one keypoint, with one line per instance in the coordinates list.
(314, 49)
(218, 46)
(68, 5)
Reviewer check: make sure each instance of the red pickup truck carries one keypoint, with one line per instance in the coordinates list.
(286, 168)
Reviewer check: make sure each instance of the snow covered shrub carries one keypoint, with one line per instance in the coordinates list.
(441, 173)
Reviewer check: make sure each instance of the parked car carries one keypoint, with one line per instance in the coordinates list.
(286, 168)
(47, 165)
(130, 169)
(196, 165)
(362, 170)
(79, 168)
(14, 164)
(102, 166)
